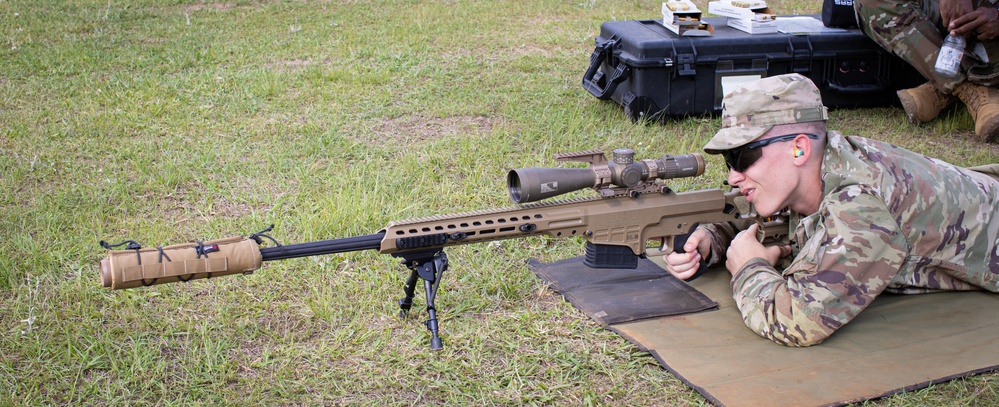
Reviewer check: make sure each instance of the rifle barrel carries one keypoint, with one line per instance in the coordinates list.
(342, 245)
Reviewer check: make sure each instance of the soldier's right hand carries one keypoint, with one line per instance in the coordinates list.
(684, 265)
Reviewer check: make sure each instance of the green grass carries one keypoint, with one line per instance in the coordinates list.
(175, 121)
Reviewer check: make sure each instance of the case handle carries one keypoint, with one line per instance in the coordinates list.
(855, 89)
(597, 58)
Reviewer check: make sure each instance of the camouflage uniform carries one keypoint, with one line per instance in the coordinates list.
(890, 220)
(912, 30)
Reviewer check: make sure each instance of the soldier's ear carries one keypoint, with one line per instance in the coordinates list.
(802, 149)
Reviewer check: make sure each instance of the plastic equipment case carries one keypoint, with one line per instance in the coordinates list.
(655, 74)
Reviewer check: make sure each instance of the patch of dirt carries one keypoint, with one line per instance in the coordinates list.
(412, 129)
(531, 50)
(213, 6)
(246, 356)
(292, 64)
(291, 324)
(184, 205)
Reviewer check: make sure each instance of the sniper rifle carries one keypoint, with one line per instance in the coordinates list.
(633, 209)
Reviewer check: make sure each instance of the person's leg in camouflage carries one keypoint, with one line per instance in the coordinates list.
(912, 30)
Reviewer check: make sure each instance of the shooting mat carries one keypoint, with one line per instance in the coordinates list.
(900, 343)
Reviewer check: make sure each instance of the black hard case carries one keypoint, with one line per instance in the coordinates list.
(655, 74)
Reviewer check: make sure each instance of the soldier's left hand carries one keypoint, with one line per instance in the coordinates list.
(950, 10)
(744, 247)
(983, 23)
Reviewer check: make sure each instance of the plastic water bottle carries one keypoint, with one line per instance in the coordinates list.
(949, 59)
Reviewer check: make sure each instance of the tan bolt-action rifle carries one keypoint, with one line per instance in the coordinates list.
(634, 208)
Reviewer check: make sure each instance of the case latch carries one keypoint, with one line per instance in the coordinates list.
(685, 64)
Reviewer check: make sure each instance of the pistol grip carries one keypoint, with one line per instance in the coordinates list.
(678, 242)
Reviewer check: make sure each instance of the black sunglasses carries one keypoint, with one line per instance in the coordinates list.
(741, 158)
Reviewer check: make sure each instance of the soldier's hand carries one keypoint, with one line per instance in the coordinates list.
(684, 265)
(983, 23)
(952, 9)
(745, 247)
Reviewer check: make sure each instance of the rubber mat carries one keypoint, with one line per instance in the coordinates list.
(612, 296)
(900, 343)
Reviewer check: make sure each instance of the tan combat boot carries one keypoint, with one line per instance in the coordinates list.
(924, 102)
(983, 104)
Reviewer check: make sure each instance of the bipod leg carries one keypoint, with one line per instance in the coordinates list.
(429, 266)
(432, 325)
(409, 289)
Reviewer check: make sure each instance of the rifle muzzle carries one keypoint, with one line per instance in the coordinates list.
(183, 262)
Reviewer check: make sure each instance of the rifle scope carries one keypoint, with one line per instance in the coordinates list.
(623, 172)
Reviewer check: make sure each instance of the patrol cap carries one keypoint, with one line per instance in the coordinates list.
(753, 109)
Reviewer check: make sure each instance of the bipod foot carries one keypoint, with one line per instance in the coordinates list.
(430, 267)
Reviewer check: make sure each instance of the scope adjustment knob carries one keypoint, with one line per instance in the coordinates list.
(624, 156)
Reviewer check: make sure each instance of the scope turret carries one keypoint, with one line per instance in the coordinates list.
(619, 176)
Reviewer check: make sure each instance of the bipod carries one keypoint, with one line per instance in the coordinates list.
(430, 266)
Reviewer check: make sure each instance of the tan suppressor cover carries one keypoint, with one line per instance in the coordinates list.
(181, 262)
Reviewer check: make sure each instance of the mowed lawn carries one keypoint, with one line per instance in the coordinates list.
(180, 121)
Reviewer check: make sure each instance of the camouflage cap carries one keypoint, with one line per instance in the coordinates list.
(753, 109)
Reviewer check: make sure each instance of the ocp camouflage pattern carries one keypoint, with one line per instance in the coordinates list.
(913, 31)
(754, 108)
(891, 220)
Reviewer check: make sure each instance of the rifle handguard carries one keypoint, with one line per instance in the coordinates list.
(182, 262)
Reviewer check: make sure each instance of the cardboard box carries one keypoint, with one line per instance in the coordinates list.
(731, 10)
(683, 18)
(753, 27)
(687, 29)
(676, 10)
